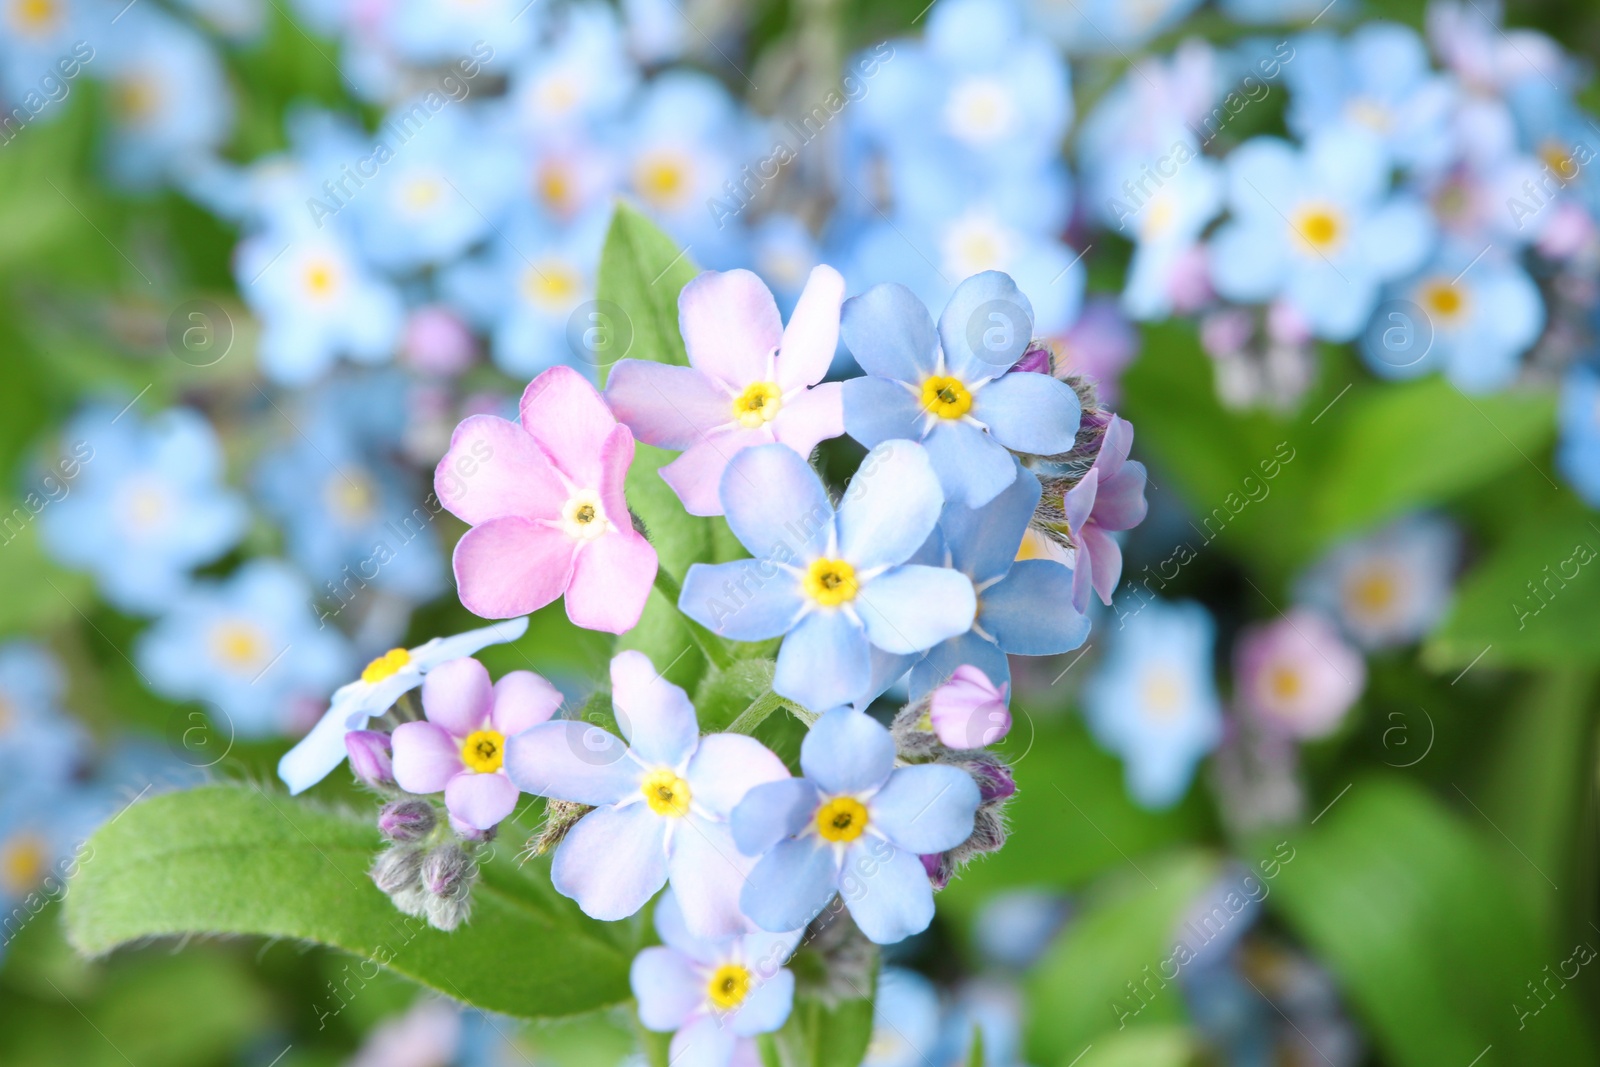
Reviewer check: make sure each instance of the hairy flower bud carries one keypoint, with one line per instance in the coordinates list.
(448, 875)
(397, 868)
(559, 817)
(1038, 359)
(407, 820)
(371, 757)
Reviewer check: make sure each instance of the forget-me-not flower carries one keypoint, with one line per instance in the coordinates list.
(855, 825)
(1389, 587)
(834, 585)
(950, 390)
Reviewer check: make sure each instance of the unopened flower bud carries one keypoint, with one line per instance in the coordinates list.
(1036, 360)
(968, 711)
(371, 757)
(994, 779)
(397, 868)
(559, 817)
(407, 820)
(448, 875)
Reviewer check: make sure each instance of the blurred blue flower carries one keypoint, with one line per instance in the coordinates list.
(249, 646)
(906, 1021)
(1092, 27)
(578, 80)
(1379, 79)
(351, 514)
(1153, 700)
(1389, 587)
(148, 507)
(524, 287)
(1317, 227)
(39, 742)
(1479, 313)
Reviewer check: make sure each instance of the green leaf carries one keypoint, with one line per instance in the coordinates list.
(725, 693)
(1533, 602)
(1142, 1046)
(1429, 937)
(817, 1035)
(1405, 445)
(1081, 989)
(235, 860)
(642, 270)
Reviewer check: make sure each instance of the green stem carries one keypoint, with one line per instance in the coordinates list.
(713, 647)
(765, 705)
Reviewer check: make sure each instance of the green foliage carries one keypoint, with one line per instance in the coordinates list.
(234, 860)
(1080, 992)
(1143, 1046)
(641, 273)
(1427, 933)
(818, 1035)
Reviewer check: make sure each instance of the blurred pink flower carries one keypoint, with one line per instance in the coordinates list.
(1297, 675)
(545, 502)
(1100, 345)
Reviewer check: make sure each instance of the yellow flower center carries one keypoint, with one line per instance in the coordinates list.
(385, 666)
(1555, 156)
(552, 285)
(842, 819)
(1443, 299)
(1320, 228)
(729, 986)
(946, 397)
(757, 405)
(1371, 594)
(554, 187)
(35, 15)
(1163, 694)
(1285, 683)
(831, 582)
(22, 864)
(239, 645)
(662, 180)
(483, 751)
(136, 98)
(421, 194)
(583, 518)
(351, 496)
(666, 793)
(321, 279)
(147, 505)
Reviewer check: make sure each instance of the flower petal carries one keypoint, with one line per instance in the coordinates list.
(704, 1042)
(746, 600)
(727, 766)
(707, 871)
(1029, 611)
(889, 332)
(812, 336)
(939, 663)
(675, 933)
(480, 800)
(612, 861)
(458, 696)
(886, 890)
(986, 326)
(926, 808)
(655, 715)
(425, 757)
(880, 409)
(730, 325)
(664, 405)
(425, 657)
(616, 456)
(1030, 413)
(611, 580)
(776, 504)
(511, 566)
(316, 754)
(696, 476)
(790, 884)
(766, 1007)
(1120, 503)
(825, 661)
(1105, 560)
(983, 542)
(890, 507)
(814, 416)
(522, 700)
(771, 812)
(847, 752)
(667, 988)
(571, 760)
(493, 468)
(972, 466)
(564, 413)
(912, 608)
